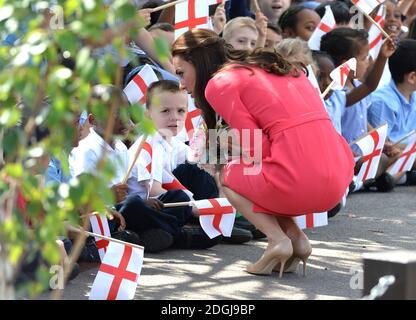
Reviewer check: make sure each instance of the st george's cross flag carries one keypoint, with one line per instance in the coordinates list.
(169, 182)
(193, 122)
(136, 89)
(327, 24)
(144, 162)
(340, 74)
(99, 225)
(371, 147)
(375, 36)
(190, 15)
(118, 274)
(212, 2)
(312, 220)
(216, 216)
(407, 158)
(367, 6)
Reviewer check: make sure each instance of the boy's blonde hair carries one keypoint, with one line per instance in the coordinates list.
(237, 23)
(296, 51)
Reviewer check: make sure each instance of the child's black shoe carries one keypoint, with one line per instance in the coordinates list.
(155, 240)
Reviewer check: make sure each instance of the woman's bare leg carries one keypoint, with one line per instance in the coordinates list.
(266, 223)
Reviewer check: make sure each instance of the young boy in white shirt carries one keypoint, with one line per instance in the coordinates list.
(143, 216)
(167, 106)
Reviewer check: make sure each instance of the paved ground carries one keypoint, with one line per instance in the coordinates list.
(370, 222)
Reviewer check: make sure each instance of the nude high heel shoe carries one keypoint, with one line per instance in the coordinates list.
(302, 249)
(278, 255)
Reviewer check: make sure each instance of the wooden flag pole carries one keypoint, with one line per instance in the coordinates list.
(404, 138)
(113, 239)
(136, 155)
(167, 5)
(327, 89)
(374, 22)
(256, 5)
(177, 204)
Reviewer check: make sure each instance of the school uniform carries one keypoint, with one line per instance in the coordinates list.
(391, 107)
(54, 173)
(335, 106)
(354, 120)
(138, 215)
(168, 219)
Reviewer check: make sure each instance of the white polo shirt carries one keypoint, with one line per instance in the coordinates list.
(84, 158)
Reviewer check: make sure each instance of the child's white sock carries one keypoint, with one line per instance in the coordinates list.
(402, 180)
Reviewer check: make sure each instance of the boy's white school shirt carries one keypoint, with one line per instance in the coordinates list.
(178, 153)
(165, 156)
(84, 158)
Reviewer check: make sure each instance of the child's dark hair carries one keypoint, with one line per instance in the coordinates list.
(339, 9)
(164, 26)
(289, 19)
(403, 60)
(412, 30)
(343, 43)
(161, 85)
(275, 28)
(316, 55)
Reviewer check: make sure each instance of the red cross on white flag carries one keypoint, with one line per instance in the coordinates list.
(375, 36)
(216, 216)
(212, 2)
(367, 6)
(189, 15)
(193, 121)
(136, 89)
(146, 154)
(169, 182)
(327, 24)
(312, 220)
(371, 146)
(99, 225)
(118, 274)
(407, 158)
(339, 75)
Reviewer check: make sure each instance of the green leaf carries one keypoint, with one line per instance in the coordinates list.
(162, 49)
(14, 170)
(6, 12)
(10, 117)
(15, 253)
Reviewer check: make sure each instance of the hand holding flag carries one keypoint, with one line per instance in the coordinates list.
(339, 75)
(371, 146)
(366, 7)
(407, 158)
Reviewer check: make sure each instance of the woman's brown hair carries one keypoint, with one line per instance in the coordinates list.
(208, 53)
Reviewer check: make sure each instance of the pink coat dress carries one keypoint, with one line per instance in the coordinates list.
(306, 166)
